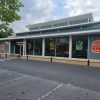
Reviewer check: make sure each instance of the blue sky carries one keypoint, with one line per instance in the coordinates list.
(35, 11)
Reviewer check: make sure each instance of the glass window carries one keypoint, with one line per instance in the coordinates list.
(2, 47)
(79, 47)
(38, 47)
(17, 47)
(50, 46)
(34, 47)
(34, 28)
(62, 47)
(91, 26)
(57, 47)
(46, 26)
(49, 31)
(29, 49)
(70, 29)
(60, 24)
(78, 21)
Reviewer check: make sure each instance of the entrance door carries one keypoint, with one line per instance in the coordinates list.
(17, 49)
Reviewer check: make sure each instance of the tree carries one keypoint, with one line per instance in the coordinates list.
(10, 30)
(8, 13)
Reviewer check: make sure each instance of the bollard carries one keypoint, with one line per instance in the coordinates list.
(88, 63)
(6, 55)
(51, 59)
(18, 56)
(27, 56)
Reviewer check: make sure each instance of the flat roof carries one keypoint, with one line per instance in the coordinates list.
(74, 18)
(89, 23)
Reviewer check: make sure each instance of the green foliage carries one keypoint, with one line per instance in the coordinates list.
(8, 13)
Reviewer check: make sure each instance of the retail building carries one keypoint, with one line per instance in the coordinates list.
(74, 37)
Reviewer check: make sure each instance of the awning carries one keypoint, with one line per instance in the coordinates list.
(52, 35)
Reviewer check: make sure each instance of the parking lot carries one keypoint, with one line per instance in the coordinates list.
(38, 80)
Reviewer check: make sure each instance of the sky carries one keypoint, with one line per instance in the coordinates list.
(36, 11)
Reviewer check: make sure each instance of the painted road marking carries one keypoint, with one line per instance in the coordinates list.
(10, 81)
(50, 92)
(68, 84)
(5, 59)
(3, 71)
(2, 60)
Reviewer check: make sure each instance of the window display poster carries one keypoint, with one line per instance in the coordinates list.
(96, 46)
(79, 45)
(29, 46)
(52, 45)
(2, 46)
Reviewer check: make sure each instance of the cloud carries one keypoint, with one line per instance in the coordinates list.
(77, 7)
(34, 11)
(45, 6)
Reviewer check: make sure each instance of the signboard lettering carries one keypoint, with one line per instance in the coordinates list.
(96, 46)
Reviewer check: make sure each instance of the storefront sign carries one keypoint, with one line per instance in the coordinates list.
(19, 43)
(2, 46)
(96, 46)
(79, 45)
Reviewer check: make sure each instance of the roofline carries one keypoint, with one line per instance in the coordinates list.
(60, 27)
(56, 34)
(28, 26)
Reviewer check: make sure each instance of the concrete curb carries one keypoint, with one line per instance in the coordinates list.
(85, 62)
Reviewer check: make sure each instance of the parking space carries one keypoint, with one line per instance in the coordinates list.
(16, 86)
(69, 92)
(16, 83)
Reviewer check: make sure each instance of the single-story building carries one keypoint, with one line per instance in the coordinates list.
(73, 37)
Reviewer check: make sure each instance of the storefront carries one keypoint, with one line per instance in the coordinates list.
(77, 40)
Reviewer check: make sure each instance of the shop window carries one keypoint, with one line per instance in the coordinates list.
(57, 47)
(29, 49)
(38, 47)
(50, 46)
(62, 47)
(79, 47)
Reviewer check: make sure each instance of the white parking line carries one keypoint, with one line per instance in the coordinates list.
(3, 71)
(68, 84)
(50, 92)
(14, 80)
(4, 59)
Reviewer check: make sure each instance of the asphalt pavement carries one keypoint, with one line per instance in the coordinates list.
(38, 80)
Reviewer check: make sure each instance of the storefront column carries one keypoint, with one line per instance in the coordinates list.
(24, 47)
(70, 47)
(43, 47)
(88, 50)
(33, 47)
(9, 47)
(14, 48)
